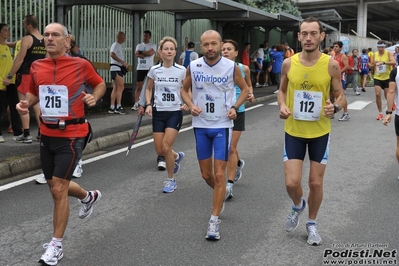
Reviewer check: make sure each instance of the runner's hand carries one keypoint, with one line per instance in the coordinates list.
(285, 112)
(140, 111)
(328, 109)
(88, 99)
(386, 120)
(22, 107)
(196, 110)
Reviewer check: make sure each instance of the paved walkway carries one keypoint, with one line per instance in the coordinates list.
(109, 130)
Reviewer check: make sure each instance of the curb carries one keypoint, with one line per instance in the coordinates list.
(32, 163)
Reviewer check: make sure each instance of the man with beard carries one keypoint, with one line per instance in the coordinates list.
(304, 104)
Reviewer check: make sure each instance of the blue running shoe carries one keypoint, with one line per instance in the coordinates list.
(293, 219)
(230, 188)
(169, 186)
(178, 161)
(213, 230)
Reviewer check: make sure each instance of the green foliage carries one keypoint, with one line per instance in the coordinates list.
(273, 6)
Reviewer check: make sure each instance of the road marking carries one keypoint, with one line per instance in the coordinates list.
(99, 157)
(358, 105)
(273, 103)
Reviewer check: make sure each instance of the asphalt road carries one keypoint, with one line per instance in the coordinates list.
(136, 224)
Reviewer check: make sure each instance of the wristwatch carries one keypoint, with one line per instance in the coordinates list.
(336, 107)
(9, 76)
(388, 112)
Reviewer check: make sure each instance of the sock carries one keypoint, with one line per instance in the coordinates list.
(170, 179)
(118, 105)
(56, 242)
(38, 131)
(87, 198)
(230, 181)
(112, 106)
(177, 157)
(214, 218)
(239, 163)
(299, 206)
(26, 132)
(310, 221)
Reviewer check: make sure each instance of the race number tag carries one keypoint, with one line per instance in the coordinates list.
(381, 69)
(307, 105)
(168, 96)
(212, 107)
(53, 100)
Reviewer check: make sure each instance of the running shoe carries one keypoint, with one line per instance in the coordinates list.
(257, 85)
(394, 107)
(41, 180)
(16, 137)
(275, 92)
(213, 230)
(178, 161)
(344, 117)
(120, 110)
(313, 236)
(169, 186)
(230, 186)
(9, 130)
(357, 93)
(78, 170)
(87, 207)
(111, 110)
(52, 255)
(161, 163)
(37, 138)
(363, 89)
(293, 219)
(266, 85)
(239, 170)
(380, 117)
(1, 139)
(23, 139)
(135, 107)
(225, 198)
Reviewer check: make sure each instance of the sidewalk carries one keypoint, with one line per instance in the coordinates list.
(110, 130)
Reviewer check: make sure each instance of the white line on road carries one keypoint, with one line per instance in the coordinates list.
(99, 157)
(358, 105)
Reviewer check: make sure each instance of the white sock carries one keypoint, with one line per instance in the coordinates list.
(177, 157)
(87, 198)
(311, 221)
(118, 105)
(299, 206)
(56, 242)
(214, 218)
(170, 179)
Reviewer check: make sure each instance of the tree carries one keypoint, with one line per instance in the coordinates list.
(273, 6)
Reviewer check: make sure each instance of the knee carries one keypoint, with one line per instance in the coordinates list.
(219, 179)
(316, 185)
(166, 148)
(58, 191)
(292, 184)
(233, 150)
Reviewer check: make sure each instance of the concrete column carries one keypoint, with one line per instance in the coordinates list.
(178, 36)
(360, 20)
(137, 36)
(364, 33)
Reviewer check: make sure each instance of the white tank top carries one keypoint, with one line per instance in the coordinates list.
(167, 85)
(213, 90)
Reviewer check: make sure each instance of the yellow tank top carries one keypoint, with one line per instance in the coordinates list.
(5, 64)
(307, 92)
(382, 58)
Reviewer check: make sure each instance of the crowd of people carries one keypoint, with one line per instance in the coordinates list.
(310, 90)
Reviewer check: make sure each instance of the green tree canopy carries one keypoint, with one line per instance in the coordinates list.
(273, 6)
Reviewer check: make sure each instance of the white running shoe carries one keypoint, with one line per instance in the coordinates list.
(87, 207)
(41, 180)
(275, 92)
(52, 255)
(78, 170)
(1, 139)
(135, 106)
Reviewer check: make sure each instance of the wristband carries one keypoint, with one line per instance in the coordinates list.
(9, 76)
(235, 108)
(388, 112)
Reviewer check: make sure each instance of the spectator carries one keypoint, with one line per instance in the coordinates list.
(277, 59)
(245, 55)
(8, 93)
(189, 55)
(145, 53)
(258, 58)
(32, 49)
(118, 70)
(288, 51)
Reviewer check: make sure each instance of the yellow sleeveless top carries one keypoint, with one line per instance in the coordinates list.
(314, 81)
(382, 58)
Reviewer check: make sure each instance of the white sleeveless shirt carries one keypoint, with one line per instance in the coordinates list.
(213, 90)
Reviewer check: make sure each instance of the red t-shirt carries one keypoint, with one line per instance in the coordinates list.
(245, 58)
(74, 73)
